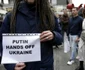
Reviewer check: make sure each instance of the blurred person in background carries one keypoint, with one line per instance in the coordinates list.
(74, 32)
(64, 22)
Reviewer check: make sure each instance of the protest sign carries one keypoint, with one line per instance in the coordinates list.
(21, 48)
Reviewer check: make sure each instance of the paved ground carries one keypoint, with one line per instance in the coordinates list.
(61, 58)
(1, 67)
(60, 62)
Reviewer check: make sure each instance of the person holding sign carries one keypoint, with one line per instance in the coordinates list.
(34, 16)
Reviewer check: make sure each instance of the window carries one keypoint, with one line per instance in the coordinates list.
(4, 1)
(53, 2)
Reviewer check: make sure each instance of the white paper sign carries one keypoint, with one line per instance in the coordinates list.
(21, 48)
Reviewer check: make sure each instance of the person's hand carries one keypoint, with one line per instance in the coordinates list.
(20, 66)
(77, 40)
(46, 36)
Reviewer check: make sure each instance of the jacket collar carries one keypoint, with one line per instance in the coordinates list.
(26, 9)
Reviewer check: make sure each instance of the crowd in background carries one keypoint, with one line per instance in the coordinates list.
(73, 26)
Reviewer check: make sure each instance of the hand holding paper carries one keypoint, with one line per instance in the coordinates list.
(46, 36)
(20, 66)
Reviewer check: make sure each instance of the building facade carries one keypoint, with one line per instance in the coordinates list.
(7, 3)
(60, 2)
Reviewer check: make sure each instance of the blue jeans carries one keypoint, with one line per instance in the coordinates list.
(73, 45)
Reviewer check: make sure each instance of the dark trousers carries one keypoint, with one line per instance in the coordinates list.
(46, 69)
(0, 60)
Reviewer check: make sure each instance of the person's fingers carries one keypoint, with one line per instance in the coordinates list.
(20, 66)
(49, 37)
(44, 32)
(43, 40)
(45, 35)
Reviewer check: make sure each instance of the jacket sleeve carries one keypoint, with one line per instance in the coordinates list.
(5, 28)
(57, 33)
(68, 29)
(80, 27)
(9, 66)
